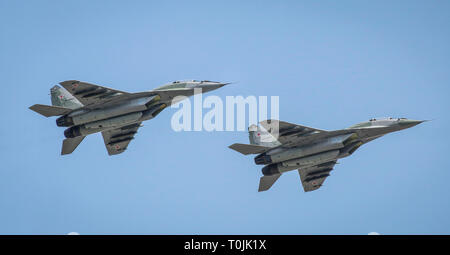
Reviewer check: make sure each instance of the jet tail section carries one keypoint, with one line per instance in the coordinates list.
(266, 182)
(49, 111)
(260, 136)
(62, 97)
(70, 144)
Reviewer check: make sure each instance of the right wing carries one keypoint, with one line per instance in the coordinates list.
(117, 140)
(313, 177)
(88, 93)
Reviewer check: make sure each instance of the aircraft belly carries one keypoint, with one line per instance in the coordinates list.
(115, 121)
(102, 125)
(328, 144)
(308, 161)
(311, 160)
(134, 105)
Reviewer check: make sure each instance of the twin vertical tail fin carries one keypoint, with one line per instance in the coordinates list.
(61, 97)
(260, 142)
(259, 136)
(62, 103)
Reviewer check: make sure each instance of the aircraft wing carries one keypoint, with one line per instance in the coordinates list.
(288, 134)
(117, 140)
(313, 177)
(88, 93)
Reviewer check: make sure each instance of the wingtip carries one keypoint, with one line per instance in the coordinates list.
(36, 108)
(68, 82)
(232, 145)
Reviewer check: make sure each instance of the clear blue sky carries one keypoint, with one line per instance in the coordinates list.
(332, 63)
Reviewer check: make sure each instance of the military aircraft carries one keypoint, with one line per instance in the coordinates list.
(283, 146)
(87, 108)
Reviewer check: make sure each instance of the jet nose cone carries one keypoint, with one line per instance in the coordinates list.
(221, 84)
(213, 86)
(409, 123)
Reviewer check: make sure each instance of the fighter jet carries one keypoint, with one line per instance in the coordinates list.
(283, 146)
(87, 109)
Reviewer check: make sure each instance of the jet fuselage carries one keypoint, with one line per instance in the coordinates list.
(125, 109)
(338, 144)
(87, 108)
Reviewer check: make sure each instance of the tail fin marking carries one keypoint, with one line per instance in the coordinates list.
(61, 97)
(260, 136)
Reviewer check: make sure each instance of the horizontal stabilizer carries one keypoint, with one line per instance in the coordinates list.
(48, 110)
(247, 149)
(70, 144)
(267, 181)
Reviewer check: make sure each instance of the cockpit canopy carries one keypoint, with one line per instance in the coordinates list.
(384, 121)
(386, 118)
(183, 81)
(197, 81)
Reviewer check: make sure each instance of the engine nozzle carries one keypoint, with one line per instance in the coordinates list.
(64, 121)
(263, 159)
(72, 132)
(270, 170)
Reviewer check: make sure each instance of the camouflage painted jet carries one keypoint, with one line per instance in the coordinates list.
(87, 108)
(285, 147)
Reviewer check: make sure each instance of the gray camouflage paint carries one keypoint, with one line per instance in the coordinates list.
(88, 108)
(312, 151)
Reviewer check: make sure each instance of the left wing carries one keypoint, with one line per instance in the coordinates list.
(88, 93)
(288, 133)
(313, 177)
(117, 140)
